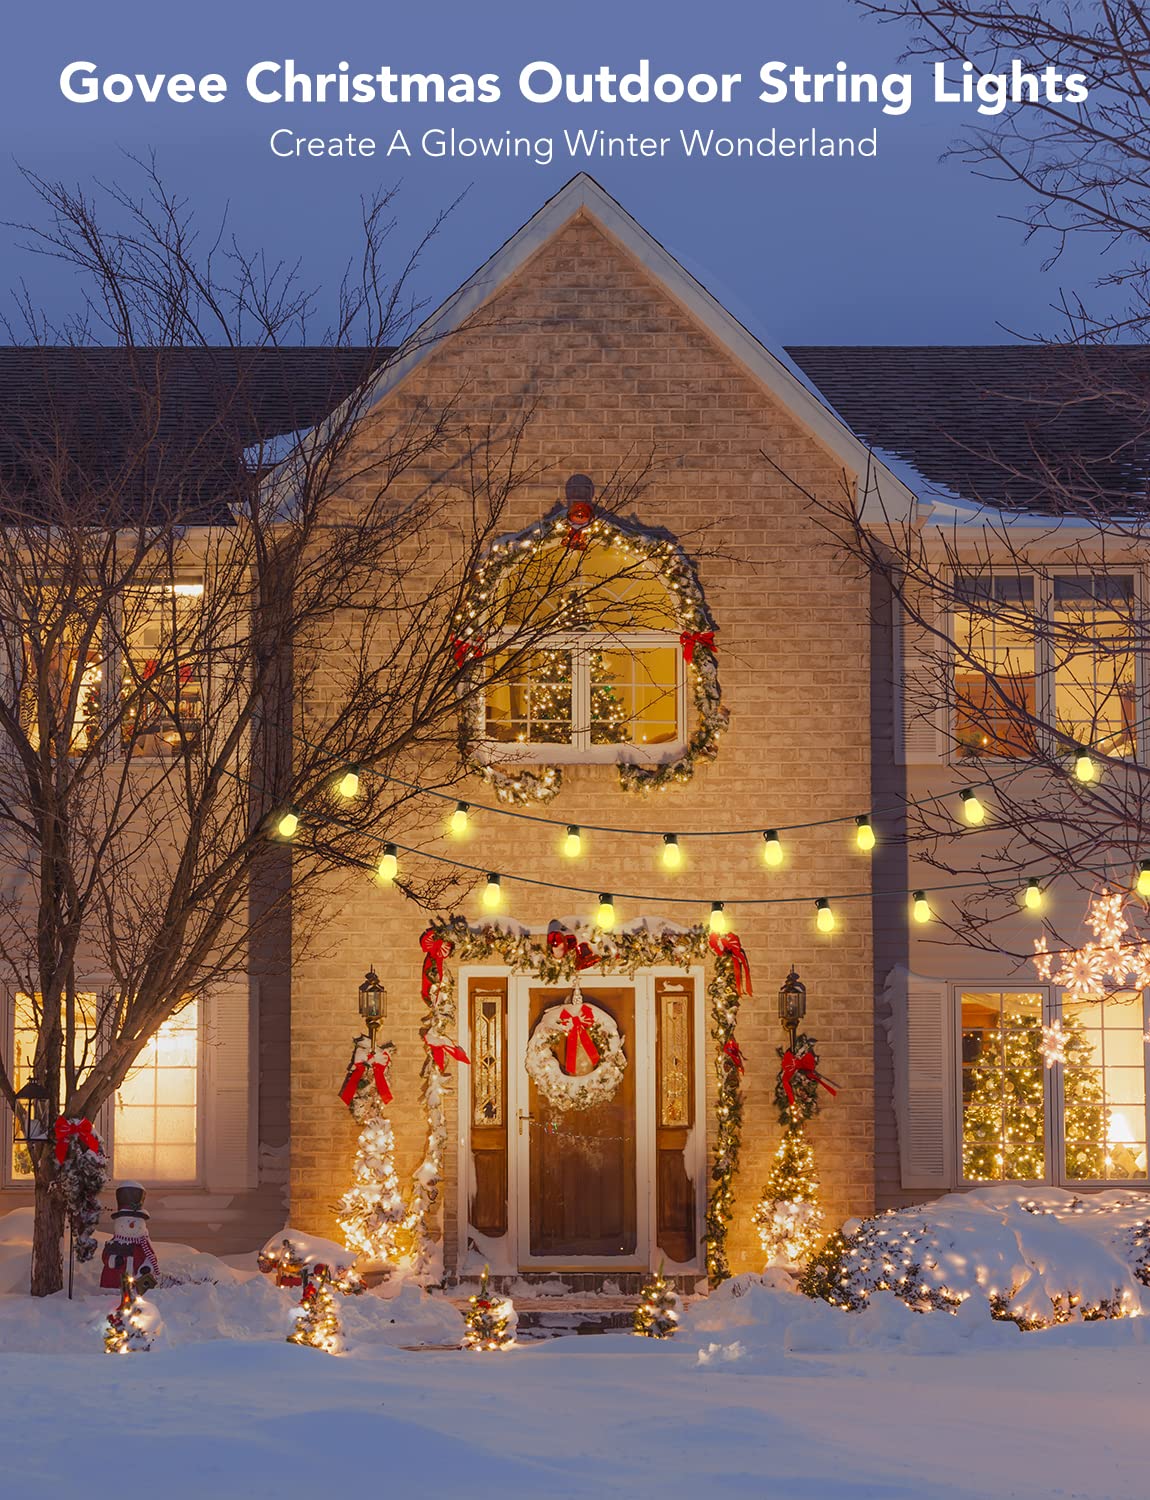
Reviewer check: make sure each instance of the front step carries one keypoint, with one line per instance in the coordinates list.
(572, 1303)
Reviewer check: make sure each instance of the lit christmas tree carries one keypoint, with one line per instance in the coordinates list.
(372, 1210)
(490, 1320)
(609, 724)
(126, 1326)
(788, 1216)
(317, 1323)
(657, 1315)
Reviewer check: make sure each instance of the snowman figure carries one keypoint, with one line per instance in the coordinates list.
(129, 1249)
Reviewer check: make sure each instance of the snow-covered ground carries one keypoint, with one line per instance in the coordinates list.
(762, 1393)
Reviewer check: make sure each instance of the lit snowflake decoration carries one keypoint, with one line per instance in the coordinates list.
(1054, 1044)
(1113, 961)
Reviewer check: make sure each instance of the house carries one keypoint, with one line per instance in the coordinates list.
(750, 677)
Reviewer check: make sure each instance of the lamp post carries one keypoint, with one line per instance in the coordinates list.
(30, 1117)
(792, 1004)
(372, 1004)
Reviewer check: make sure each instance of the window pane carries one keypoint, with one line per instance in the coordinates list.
(1003, 1088)
(532, 704)
(635, 696)
(26, 1012)
(994, 671)
(1104, 1090)
(1094, 680)
(598, 587)
(156, 1125)
(163, 710)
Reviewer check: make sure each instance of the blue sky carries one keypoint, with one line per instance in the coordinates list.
(907, 248)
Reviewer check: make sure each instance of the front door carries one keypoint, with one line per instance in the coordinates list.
(582, 1196)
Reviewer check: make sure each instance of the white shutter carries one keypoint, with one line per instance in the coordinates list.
(230, 1103)
(921, 698)
(921, 1037)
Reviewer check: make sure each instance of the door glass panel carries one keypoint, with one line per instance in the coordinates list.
(1003, 1087)
(994, 674)
(1104, 1090)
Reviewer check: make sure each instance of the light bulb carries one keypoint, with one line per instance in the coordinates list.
(718, 922)
(1084, 767)
(972, 809)
(348, 784)
(458, 820)
(1032, 895)
(388, 864)
(864, 833)
(1142, 885)
(605, 916)
(573, 842)
(772, 849)
(492, 893)
(287, 824)
(824, 917)
(672, 854)
(921, 907)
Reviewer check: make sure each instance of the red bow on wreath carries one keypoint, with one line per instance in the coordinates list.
(435, 949)
(732, 1050)
(578, 1035)
(733, 948)
(441, 1048)
(690, 639)
(566, 943)
(804, 1063)
(66, 1129)
(355, 1076)
(461, 649)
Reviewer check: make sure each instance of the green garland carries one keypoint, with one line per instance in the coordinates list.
(805, 1086)
(556, 957)
(473, 622)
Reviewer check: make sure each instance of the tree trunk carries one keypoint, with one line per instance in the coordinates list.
(47, 1243)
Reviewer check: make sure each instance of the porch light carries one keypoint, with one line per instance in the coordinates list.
(1032, 896)
(920, 907)
(672, 854)
(348, 784)
(718, 922)
(864, 833)
(792, 1002)
(605, 916)
(372, 1003)
(824, 917)
(30, 1117)
(492, 893)
(573, 842)
(972, 809)
(772, 849)
(1084, 766)
(459, 818)
(1142, 885)
(287, 823)
(389, 864)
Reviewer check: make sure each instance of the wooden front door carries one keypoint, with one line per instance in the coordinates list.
(581, 1165)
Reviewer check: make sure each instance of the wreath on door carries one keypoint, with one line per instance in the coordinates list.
(566, 1038)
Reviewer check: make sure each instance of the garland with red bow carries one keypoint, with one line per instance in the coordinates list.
(81, 1173)
(730, 946)
(441, 1048)
(567, 945)
(691, 640)
(578, 1026)
(797, 1096)
(370, 1069)
(435, 950)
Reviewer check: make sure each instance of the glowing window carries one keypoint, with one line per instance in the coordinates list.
(155, 1131)
(1003, 1087)
(995, 665)
(163, 694)
(1095, 689)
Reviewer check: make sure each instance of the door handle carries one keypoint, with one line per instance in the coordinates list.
(521, 1116)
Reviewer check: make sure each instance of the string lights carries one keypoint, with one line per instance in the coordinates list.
(348, 784)
(605, 916)
(920, 907)
(824, 916)
(493, 893)
(459, 819)
(287, 824)
(572, 842)
(972, 809)
(1032, 895)
(1085, 768)
(1142, 884)
(388, 867)
(672, 854)
(772, 848)
(864, 833)
(717, 921)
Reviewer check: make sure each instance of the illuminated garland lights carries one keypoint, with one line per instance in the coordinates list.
(475, 624)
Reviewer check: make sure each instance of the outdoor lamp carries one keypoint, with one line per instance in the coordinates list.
(792, 1003)
(31, 1114)
(372, 1003)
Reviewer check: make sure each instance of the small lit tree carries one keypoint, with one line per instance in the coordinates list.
(788, 1216)
(657, 1315)
(490, 1320)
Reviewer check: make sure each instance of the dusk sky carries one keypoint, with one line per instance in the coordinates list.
(906, 248)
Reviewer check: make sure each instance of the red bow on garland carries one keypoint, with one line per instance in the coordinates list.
(462, 648)
(733, 948)
(566, 943)
(735, 1053)
(443, 1048)
(66, 1129)
(690, 639)
(355, 1075)
(578, 1035)
(804, 1063)
(435, 950)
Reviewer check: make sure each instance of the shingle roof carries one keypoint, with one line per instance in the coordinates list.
(1030, 427)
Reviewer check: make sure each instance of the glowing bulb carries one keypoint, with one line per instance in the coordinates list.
(718, 922)
(672, 854)
(573, 842)
(492, 893)
(605, 916)
(864, 833)
(287, 824)
(772, 849)
(1032, 895)
(824, 917)
(972, 809)
(921, 907)
(1084, 767)
(1142, 885)
(388, 864)
(458, 820)
(348, 784)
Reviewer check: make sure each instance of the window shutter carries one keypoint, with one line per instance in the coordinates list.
(921, 706)
(922, 1045)
(229, 1116)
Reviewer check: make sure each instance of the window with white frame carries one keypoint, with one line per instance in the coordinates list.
(601, 671)
(1082, 1119)
(1057, 648)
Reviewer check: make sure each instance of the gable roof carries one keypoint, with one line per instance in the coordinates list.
(1045, 429)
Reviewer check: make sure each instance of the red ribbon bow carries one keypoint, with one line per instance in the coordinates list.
(435, 949)
(692, 638)
(733, 948)
(441, 1051)
(578, 1035)
(66, 1129)
(356, 1073)
(803, 1063)
(566, 943)
(462, 648)
(735, 1053)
